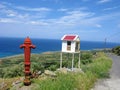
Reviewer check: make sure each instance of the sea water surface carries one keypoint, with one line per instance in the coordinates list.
(10, 46)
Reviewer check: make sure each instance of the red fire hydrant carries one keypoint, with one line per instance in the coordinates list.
(27, 50)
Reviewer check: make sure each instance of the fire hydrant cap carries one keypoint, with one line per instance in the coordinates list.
(27, 40)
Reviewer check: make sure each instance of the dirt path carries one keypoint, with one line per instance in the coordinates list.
(113, 83)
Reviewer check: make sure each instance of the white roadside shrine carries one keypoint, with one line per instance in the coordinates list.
(70, 44)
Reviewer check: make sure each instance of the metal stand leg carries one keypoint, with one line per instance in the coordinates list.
(72, 61)
(79, 62)
(61, 60)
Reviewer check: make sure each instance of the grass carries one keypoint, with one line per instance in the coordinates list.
(96, 67)
(99, 68)
(70, 81)
(52, 84)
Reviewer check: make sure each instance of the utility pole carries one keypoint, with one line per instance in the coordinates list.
(105, 43)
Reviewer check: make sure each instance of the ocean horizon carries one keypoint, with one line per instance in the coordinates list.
(10, 46)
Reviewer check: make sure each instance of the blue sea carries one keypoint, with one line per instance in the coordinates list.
(10, 46)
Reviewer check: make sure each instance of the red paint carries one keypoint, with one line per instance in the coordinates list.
(27, 51)
(69, 37)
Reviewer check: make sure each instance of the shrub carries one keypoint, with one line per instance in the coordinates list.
(100, 66)
(85, 81)
(116, 50)
(2, 73)
(13, 72)
(37, 67)
(86, 57)
(53, 67)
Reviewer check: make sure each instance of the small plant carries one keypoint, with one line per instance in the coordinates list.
(86, 58)
(116, 50)
(37, 67)
(53, 67)
(100, 66)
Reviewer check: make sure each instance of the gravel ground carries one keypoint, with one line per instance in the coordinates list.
(113, 83)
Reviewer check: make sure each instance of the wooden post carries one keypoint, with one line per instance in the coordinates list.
(60, 60)
(72, 61)
(79, 61)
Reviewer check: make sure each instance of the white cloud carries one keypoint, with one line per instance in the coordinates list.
(72, 18)
(98, 25)
(79, 13)
(5, 5)
(62, 9)
(54, 1)
(37, 23)
(103, 1)
(12, 13)
(8, 20)
(84, 31)
(72, 10)
(111, 8)
(9, 12)
(34, 9)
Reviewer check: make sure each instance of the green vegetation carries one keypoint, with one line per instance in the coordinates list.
(14, 66)
(94, 65)
(100, 66)
(116, 50)
(86, 57)
(97, 68)
(70, 81)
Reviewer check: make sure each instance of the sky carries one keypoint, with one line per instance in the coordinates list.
(92, 20)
